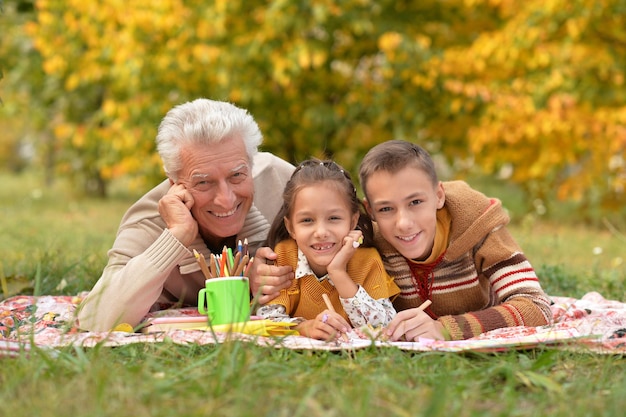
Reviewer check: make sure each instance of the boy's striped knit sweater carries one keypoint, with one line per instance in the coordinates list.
(481, 281)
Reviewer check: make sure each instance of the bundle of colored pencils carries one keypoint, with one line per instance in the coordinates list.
(227, 264)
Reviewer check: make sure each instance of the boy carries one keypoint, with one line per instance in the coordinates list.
(446, 243)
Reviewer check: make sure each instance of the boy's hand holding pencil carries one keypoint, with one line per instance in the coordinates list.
(413, 323)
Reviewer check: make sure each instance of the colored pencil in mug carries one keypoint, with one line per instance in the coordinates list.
(247, 269)
(244, 262)
(223, 267)
(236, 263)
(213, 265)
(203, 266)
(245, 247)
(231, 259)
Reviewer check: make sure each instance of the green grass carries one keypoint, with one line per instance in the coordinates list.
(50, 234)
(49, 228)
(572, 260)
(238, 379)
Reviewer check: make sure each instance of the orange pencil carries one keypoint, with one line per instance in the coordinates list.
(224, 262)
(223, 267)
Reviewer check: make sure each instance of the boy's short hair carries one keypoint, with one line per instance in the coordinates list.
(393, 156)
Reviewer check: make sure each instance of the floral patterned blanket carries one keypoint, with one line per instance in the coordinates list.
(591, 323)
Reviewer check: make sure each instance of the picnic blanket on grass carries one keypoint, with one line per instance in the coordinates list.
(591, 323)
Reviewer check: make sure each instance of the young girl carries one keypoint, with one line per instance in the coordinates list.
(314, 232)
(446, 243)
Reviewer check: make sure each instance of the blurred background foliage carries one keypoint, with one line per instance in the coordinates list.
(531, 93)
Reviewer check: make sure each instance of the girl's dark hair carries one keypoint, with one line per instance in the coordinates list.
(311, 172)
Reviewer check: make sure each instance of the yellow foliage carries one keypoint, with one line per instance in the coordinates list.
(78, 139)
(527, 84)
(72, 81)
(55, 65)
(576, 26)
(388, 42)
(205, 53)
(63, 130)
(455, 105)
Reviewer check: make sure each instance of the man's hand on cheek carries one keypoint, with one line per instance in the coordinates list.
(175, 208)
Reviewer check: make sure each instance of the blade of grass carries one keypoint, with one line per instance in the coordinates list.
(37, 290)
(3, 281)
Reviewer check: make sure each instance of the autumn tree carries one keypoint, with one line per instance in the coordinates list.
(321, 79)
(546, 94)
(27, 96)
(534, 89)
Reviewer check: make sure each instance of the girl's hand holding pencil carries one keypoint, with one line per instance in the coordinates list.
(328, 325)
(330, 306)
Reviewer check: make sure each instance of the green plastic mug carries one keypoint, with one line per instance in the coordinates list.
(225, 300)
